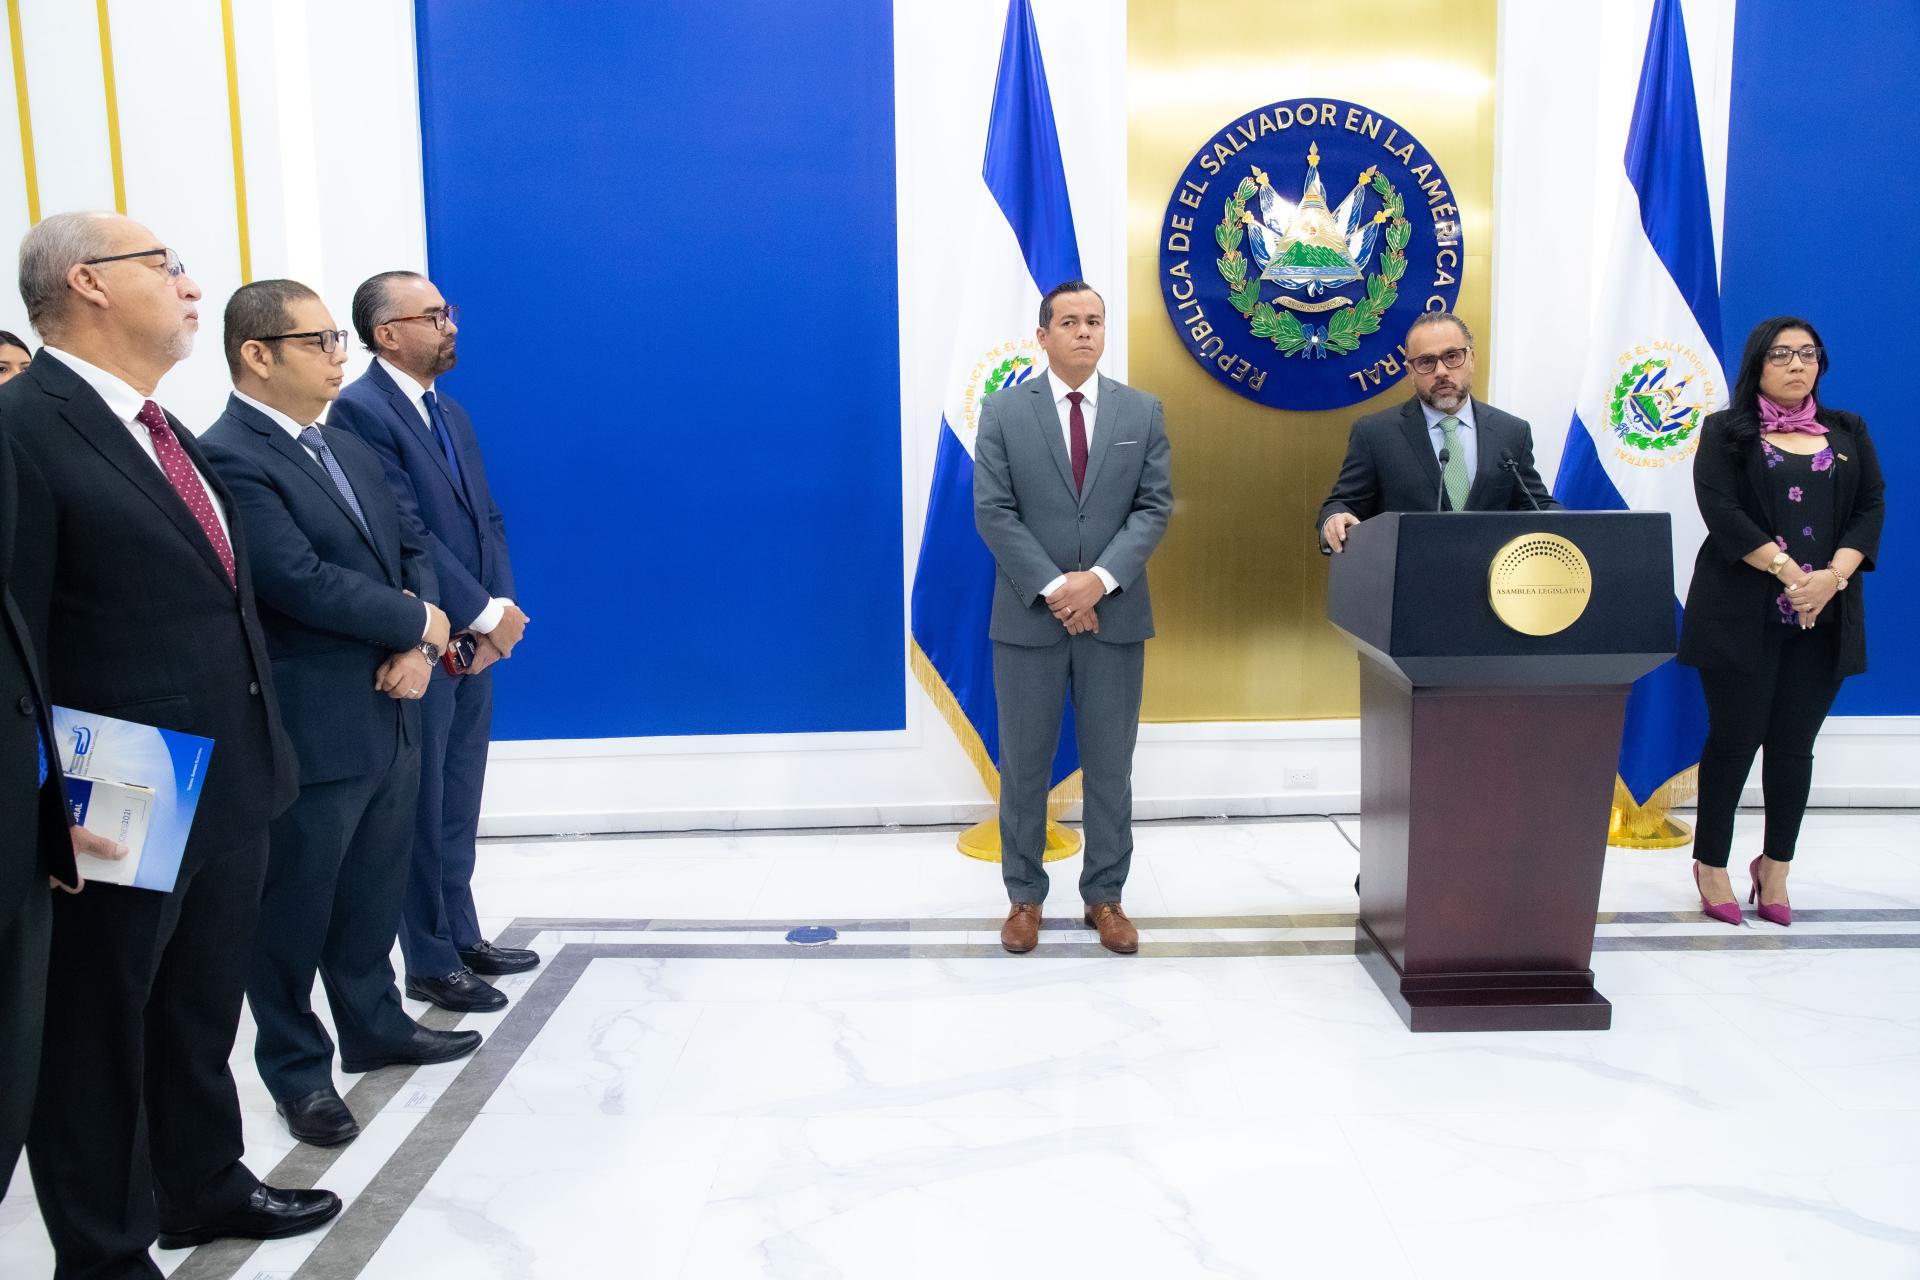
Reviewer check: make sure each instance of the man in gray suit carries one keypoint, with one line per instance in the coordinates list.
(1440, 451)
(1071, 492)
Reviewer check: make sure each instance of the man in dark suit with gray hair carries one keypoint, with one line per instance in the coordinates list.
(1072, 488)
(1440, 451)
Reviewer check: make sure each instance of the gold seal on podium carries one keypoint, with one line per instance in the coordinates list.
(1539, 584)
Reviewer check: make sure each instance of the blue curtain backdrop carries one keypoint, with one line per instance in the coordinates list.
(1821, 189)
(671, 233)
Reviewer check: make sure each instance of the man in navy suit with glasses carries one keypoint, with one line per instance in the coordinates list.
(426, 442)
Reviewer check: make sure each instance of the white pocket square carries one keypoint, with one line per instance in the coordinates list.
(1121, 444)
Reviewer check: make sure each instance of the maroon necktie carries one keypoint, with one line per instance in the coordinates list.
(1078, 423)
(186, 481)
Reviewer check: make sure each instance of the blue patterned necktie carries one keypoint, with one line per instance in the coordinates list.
(317, 444)
(441, 434)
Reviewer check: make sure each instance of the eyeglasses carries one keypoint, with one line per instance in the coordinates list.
(1452, 357)
(441, 317)
(331, 340)
(173, 266)
(1781, 357)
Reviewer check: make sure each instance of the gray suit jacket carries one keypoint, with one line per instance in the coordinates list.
(1390, 466)
(1038, 528)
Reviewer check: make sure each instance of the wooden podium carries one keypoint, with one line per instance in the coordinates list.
(1488, 754)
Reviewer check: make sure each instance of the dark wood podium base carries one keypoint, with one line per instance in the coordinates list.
(1550, 1001)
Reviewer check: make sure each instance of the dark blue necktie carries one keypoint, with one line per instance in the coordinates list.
(441, 434)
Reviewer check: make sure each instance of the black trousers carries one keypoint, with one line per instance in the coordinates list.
(23, 1002)
(1779, 706)
(138, 1124)
(332, 904)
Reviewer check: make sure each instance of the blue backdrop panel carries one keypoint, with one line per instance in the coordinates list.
(671, 236)
(1821, 185)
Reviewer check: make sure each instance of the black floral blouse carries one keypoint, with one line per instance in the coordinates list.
(1802, 493)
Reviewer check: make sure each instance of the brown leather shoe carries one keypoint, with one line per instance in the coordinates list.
(1117, 933)
(1021, 932)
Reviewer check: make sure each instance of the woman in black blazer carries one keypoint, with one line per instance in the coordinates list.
(1793, 499)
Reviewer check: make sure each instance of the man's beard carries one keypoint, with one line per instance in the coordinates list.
(444, 358)
(180, 345)
(1462, 394)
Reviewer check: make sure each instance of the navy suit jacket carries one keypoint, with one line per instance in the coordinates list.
(330, 593)
(466, 537)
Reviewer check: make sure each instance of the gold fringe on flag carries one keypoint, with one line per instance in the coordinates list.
(982, 840)
(1651, 825)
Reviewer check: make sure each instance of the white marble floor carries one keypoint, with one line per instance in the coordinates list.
(698, 1101)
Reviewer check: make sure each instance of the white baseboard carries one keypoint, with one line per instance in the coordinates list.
(917, 777)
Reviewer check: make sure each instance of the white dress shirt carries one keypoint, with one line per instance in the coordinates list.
(1464, 433)
(410, 387)
(1089, 411)
(124, 403)
(294, 429)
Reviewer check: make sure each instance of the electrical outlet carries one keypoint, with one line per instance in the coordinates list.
(1302, 778)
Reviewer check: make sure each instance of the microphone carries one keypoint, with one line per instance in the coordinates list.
(1507, 463)
(1440, 490)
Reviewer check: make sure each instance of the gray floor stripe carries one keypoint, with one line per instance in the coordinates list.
(372, 1217)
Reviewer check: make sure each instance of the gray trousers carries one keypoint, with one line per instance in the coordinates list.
(1032, 685)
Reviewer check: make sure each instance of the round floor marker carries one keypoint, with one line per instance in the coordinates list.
(812, 935)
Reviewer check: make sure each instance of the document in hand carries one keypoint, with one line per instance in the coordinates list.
(135, 784)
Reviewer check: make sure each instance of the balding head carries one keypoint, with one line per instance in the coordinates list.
(106, 289)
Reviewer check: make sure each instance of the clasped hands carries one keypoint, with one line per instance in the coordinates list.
(1073, 602)
(1811, 594)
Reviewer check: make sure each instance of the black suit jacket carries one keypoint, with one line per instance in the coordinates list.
(33, 817)
(127, 600)
(331, 593)
(1390, 466)
(1731, 604)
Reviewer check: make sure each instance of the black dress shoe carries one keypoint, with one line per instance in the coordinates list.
(270, 1213)
(459, 991)
(489, 959)
(425, 1046)
(320, 1119)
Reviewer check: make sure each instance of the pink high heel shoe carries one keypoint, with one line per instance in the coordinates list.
(1780, 913)
(1725, 912)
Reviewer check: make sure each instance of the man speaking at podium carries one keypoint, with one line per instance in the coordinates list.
(1440, 451)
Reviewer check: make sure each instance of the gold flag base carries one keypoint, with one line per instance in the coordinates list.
(1651, 825)
(982, 841)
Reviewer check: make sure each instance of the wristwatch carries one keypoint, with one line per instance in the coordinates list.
(1780, 561)
(429, 650)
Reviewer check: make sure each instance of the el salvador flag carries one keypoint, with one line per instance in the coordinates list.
(1023, 245)
(1654, 372)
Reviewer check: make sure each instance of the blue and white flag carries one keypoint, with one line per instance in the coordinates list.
(1653, 375)
(1023, 245)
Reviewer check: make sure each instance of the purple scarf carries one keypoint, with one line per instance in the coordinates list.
(1801, 420)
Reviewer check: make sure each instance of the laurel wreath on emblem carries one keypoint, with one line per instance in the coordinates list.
(1617, 414)
(998, 378)
(1347, 326)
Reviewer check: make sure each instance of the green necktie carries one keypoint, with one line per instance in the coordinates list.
(1455, 475)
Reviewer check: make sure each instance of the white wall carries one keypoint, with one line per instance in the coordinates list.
(329, 118)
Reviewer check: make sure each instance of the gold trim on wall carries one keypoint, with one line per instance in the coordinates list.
(239, 152)
(1239, 584)
(26, 115)
(113, 108)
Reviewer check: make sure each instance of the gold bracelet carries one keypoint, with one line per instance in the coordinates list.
(1840, 579)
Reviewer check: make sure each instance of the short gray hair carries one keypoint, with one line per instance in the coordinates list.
(1426, 318)
(54, 247)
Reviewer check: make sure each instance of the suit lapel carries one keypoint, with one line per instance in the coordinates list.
(1046, 417)
(1106, 420)
(1413, 425)
(1487, 453)
(308, 466)
(410, 417)
(90, 418)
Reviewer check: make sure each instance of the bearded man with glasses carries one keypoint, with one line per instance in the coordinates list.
(1440, 451)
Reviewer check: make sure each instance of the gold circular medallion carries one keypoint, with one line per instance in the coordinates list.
(1539, 584)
